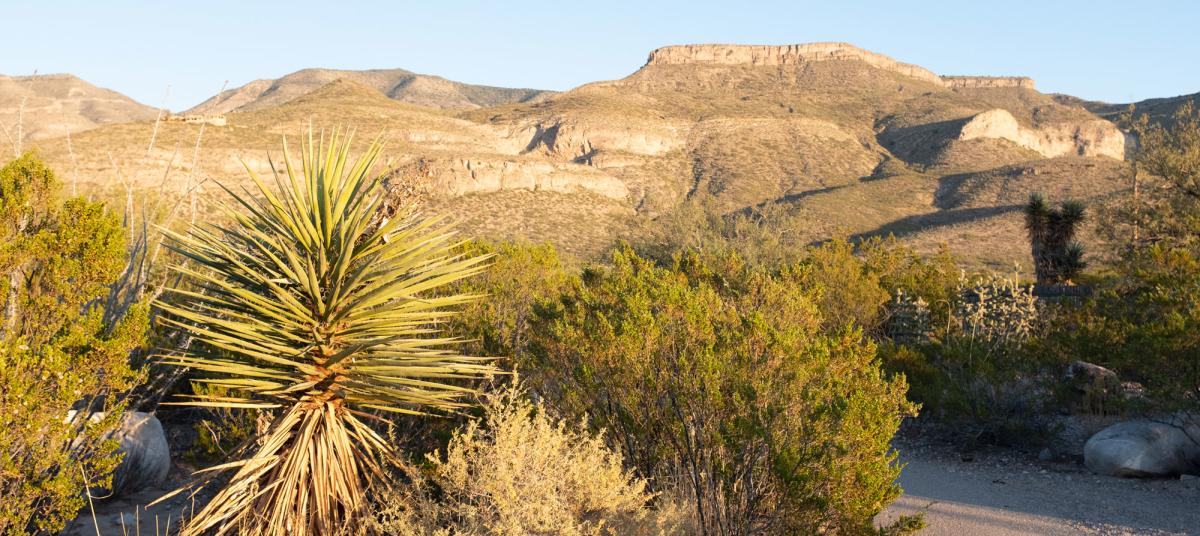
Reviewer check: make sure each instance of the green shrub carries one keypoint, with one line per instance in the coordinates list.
(222, 431)
(1144, 323)
(520, 275)
(850, 291)
(56, 351)
(772, 424)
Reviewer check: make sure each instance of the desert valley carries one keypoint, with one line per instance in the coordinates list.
(744, 290)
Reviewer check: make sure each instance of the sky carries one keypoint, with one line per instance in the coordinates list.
(178, 53)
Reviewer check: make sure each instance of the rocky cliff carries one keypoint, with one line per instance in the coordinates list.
(783, 55)
(816, 52)
(1087, 138)
(978, 82)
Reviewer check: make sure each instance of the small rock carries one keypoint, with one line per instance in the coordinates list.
(1046, 455)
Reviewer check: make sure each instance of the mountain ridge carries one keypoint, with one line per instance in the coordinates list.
(50, 105)
(842, 144)
(398, 84)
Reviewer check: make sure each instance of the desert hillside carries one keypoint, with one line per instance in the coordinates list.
(398, 84)
(47, 106)
(850, 141)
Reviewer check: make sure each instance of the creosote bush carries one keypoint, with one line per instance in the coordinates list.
(56, 351)
(721, 378)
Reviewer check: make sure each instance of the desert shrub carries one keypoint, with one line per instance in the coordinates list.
(56, 351)
(850, 292)
(978, 373)
(857, 282)
(221, 431)
(1166, 174)
(520, 275)
(768, 235)
(932, 279)
(518, 470)
(772, 424)
(1142, 322)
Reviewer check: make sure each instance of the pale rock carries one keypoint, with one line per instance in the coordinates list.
(146, 455)
(454, 177)
(1144, 448)
(988, 82)
(573, 138)
(1087, 138)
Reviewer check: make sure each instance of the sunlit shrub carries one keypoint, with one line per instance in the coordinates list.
(519, 470)
(57, 353)
(733, 390)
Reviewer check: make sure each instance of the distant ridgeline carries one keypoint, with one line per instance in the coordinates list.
(814, 52)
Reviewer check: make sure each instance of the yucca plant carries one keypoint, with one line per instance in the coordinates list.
(315, 304)
(1057, 258)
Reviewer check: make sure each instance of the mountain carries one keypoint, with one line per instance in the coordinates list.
(56, 104)
(398, 84)
(1157, 110)
(845, 140)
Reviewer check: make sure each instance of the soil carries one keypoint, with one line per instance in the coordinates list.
(1008, 493)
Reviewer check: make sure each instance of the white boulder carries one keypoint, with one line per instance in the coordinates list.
(1144, 448)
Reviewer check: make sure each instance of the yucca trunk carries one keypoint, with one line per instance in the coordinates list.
(315, 304)
(316, 457)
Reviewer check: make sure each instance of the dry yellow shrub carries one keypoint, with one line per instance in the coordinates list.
(521, 471)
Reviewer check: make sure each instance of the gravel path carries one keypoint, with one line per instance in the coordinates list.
(1006, 494)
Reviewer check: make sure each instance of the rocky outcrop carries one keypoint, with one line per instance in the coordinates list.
(575, 139)
(977, 82)
(1086, 138)
(466, 176)
(1145, 448)
(783, 55)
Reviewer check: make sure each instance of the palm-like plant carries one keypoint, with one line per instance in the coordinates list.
(315, 304)
(1057, 258)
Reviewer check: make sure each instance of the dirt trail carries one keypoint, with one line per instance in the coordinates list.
(1007, 495)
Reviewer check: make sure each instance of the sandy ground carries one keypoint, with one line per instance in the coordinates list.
(1006, 494)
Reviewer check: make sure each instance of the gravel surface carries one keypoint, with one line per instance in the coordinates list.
(1006, 493)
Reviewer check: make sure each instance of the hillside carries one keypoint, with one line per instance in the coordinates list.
(398, 84)
(849, 141)
(56, 104)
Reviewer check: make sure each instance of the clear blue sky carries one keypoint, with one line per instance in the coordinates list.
(1105, 50)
